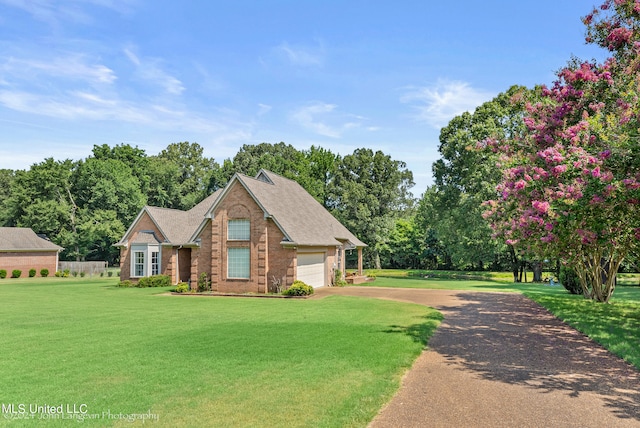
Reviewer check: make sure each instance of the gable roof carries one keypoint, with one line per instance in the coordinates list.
(176, 226)
(24, 239)
(302, 219)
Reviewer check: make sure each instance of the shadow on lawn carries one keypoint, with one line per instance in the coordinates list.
(421, 332)
(509, 338)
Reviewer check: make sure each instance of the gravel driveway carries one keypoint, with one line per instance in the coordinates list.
(501, 360)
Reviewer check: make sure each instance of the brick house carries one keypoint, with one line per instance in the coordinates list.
(21, 249)
(246, 237)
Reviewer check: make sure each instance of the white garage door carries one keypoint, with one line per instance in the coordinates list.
(311, 269)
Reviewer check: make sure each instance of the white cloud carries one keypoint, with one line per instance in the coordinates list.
(70, 66)
(307, 118)
(57, 13)
(325, 119)
(303, 56)
(149, 70)
(438, 104)
(263, 109)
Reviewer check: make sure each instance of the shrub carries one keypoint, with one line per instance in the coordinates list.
(32, 273)
(338, 280)
(298, 288)
(44, 272)
(203, 283)
(16, 273)
(154, 281)
(569, 280)
(126, 283)
(3, 273)
(58, 274)
(110, 274)
(82, 274)
(183, 287)
(74, 273)
(65, 273)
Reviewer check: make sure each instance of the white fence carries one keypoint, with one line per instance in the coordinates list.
(89, 268)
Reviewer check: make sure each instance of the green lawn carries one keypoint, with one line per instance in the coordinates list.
(615, 325)
(202, 361)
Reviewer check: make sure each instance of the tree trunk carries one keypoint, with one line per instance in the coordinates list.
(597, 274)
(514, 263)
(537, 271)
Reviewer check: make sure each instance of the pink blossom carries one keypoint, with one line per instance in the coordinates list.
(605, 154)
(541, 206)
(557, 170)
(548, 238)
(520, 184)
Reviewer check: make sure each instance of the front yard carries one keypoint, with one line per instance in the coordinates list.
(113, 354)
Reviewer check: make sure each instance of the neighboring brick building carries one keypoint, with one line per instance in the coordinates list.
(246, 237)
(22, 249)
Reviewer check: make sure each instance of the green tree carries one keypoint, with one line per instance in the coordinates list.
(367, 194)
(465, 177)
(194, 174)
(108, 185)
(134, 157)
(42, 199)
(322, 166)
(281, 158)
(7, 176)
(165, 188)
(570, 187)
(404, 248)
(97, 232)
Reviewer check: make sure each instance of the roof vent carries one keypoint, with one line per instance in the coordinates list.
(262, 176)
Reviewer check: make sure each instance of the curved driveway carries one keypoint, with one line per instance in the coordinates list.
(501, 360)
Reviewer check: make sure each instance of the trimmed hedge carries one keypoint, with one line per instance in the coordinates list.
(154, 281)
(298, 288)
(3, 273)
(16, 273)
(183, 287)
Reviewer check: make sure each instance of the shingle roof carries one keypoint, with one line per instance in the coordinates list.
(177, 226)
(302, 219)
(24, 239)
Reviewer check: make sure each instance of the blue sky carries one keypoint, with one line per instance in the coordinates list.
(386, 75)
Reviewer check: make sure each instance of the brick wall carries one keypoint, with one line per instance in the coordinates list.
(25, 261)
(268, 258)
(145, 223)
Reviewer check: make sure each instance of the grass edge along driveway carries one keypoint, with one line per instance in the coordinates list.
(616, 325)
(203, 361)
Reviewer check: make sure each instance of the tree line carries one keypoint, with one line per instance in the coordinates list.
(85, 206)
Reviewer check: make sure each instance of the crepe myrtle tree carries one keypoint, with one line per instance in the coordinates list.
(571, 184)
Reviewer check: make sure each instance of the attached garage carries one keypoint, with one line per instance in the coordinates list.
(311, 269)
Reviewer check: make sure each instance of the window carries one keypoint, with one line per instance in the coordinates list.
(146, 260)
(239, 230)
(238, 263)
(155, 263)
(138, 263)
